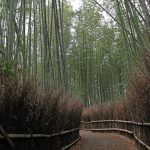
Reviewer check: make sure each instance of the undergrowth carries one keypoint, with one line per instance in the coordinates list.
(24, 108)
(136, 105)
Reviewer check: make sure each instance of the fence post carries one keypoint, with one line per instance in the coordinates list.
(4, 134)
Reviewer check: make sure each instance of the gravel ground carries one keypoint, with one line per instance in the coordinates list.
(103, 141)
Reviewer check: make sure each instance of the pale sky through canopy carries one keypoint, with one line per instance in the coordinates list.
(76, 4)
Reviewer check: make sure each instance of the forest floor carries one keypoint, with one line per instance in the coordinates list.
(103, 141)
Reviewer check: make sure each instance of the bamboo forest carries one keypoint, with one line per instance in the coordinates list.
(69, 68)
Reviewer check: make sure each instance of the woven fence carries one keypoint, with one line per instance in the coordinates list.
(58, 141)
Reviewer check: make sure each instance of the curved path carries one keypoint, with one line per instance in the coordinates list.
(103, 141)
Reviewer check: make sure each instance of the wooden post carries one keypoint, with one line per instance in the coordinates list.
(4, 134)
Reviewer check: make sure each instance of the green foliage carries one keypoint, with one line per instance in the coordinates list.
(6, 67)
(2, 54)
(80, 51)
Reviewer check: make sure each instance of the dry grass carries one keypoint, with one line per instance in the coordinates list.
(137, 105)
(24, 108)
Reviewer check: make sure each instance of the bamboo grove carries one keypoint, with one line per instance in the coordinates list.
(79, 51)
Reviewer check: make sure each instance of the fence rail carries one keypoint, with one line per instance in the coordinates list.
(139, 131)
(58, 141)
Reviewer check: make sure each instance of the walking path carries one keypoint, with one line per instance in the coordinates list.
(103, 141)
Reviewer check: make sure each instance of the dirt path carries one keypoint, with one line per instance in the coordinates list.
(103, 141)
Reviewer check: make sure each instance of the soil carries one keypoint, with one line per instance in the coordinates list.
(103, 141)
